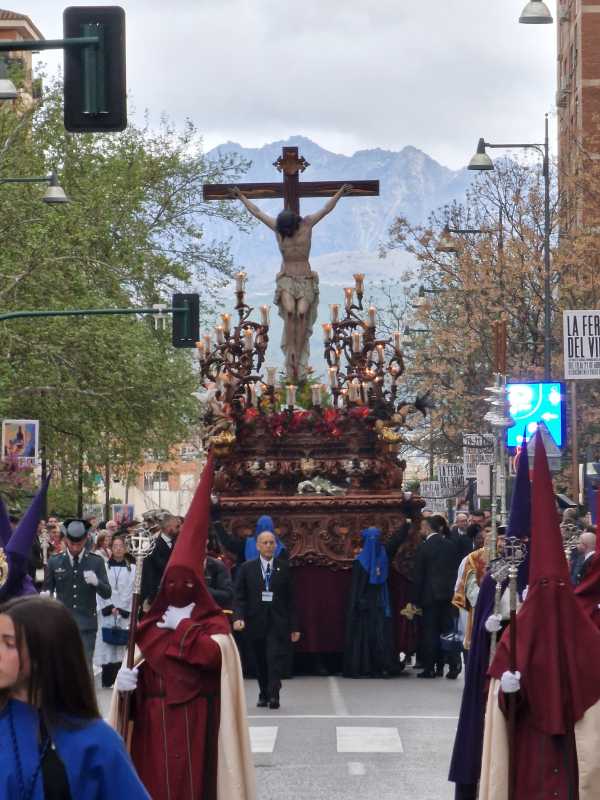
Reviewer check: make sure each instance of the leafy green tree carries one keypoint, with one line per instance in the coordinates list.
(105, 389)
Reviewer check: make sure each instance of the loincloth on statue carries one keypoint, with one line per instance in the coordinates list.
(300, 287)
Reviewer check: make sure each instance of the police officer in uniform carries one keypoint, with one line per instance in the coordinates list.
(76, 577)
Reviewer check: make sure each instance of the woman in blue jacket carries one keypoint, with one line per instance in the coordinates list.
(55, 746)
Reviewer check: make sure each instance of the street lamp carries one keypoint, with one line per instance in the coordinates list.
(536, 12)
(54, 194)
(482, 162)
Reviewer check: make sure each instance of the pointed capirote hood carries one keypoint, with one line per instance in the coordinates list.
(547, 556)
(190, 548)
(557, 644)
(188, 554)
(24, 534)
(5, 526)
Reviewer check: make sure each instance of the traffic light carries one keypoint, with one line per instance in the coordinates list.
(94, 83)
(186, 324)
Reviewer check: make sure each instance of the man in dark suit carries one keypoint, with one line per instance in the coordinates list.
(156, 562)
(586, 547)
(434, 578)
(76, 577)
(218, 582)
(264, 609)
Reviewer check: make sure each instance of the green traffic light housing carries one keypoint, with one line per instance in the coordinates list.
(186, 320)
(95, 82)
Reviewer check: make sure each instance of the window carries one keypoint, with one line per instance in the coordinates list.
(156, 481)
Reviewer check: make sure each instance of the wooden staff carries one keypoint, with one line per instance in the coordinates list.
(140, 543)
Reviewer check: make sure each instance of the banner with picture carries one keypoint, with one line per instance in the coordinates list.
(122, 514)
(20, 439)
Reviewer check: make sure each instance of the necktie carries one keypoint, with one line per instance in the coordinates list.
(268, 577)
(75, 562)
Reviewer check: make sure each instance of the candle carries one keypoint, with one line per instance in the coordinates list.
(291, 395)
(316, 394)
(226, 320)
(253, 397)
(327, 332)
(240, 281)
(335, 312)
(207, 342)
(397, 340)
(264, 315)
(248, 343)
(372, 313)
(271, 373)
(348, 297)
(333, 381)
(355, 390)
(201, 350)
(356, 342)
(359, 279)
(219, 333)
(380, 353)
(365, 392)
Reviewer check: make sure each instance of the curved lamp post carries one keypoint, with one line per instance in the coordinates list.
(54, 194)
(482, 162)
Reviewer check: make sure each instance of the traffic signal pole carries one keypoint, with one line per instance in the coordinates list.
(185, 309)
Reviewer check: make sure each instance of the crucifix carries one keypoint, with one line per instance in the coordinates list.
(297, 287)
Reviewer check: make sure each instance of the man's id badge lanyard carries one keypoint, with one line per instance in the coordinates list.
(267, 595)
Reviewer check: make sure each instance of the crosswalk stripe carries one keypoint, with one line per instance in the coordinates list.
(263, 738)
(368, 740)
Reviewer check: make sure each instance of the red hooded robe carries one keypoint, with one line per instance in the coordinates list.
(558, 656)
(177, 701)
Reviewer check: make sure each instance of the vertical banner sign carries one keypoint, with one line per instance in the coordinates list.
(451, 478)
(581, 337)
(434, 497)
(478, 448)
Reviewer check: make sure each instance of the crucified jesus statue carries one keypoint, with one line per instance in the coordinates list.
(297, 286)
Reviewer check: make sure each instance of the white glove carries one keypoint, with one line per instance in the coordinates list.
(174, 615)
(126, 680)
(89, 576)
(45, 593)
(524, 593)
(493, 623)
(510, 682)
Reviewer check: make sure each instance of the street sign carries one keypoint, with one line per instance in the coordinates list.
(581, 337)
(451, 477)
(478, 448)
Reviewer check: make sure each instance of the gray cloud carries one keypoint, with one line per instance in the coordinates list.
(351, 74)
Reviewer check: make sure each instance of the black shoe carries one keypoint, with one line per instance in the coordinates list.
(426, 674)
(274, 701)
(453, 674)
(262, 701)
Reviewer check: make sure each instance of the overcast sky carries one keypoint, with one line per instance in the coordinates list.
(350, 74)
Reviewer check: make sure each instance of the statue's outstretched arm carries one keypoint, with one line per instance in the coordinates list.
(312, 219)
(254, 210)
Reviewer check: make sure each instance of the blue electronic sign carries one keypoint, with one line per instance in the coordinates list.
(531, 403)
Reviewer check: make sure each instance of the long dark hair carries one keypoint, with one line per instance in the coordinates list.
(287, 222)
(60, 684)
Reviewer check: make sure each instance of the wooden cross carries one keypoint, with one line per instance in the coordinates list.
(291, 165)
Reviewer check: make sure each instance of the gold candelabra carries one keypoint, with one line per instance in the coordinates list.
(373, 365)
(232, 356)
